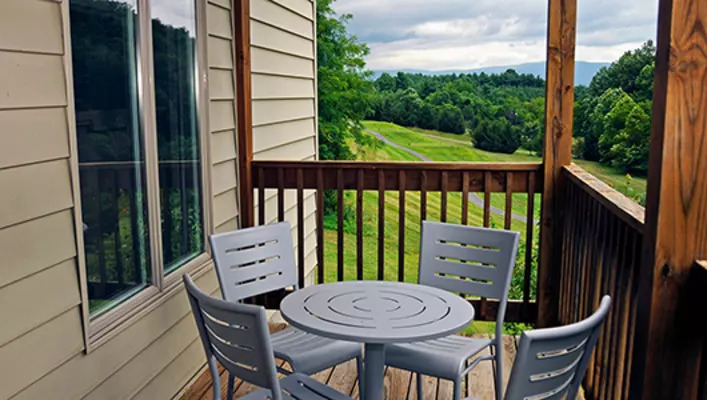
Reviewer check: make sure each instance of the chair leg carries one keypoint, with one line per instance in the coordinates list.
(419, 385)
(499, 371)
(359, 371)
(231, 385)
(458, 388)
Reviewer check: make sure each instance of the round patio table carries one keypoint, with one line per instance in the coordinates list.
(376, 313)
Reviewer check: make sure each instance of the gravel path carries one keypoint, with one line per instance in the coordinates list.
(473, 197)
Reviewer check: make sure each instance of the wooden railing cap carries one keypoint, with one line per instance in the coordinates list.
(627, 209)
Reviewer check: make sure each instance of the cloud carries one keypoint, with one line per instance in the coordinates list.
(459, 34)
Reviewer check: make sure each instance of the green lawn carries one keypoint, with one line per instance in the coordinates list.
(445, 150)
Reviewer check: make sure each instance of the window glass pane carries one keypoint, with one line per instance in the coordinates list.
(111, 157)
(174, 43)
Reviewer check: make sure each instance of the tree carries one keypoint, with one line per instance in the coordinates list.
(622, 73)
(613, 124)
(385, 83)
(345, 92)
(630, 151)
(498, 136)
(451, 119)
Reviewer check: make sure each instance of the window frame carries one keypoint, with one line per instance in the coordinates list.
(100, 329)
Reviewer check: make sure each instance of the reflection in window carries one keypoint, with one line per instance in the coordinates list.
(111, 157)
(174, 46)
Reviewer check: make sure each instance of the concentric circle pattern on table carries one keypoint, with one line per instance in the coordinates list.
(377, 311)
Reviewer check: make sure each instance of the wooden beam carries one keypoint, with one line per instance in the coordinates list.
(668, 356)
(244, 110)
(559, 107)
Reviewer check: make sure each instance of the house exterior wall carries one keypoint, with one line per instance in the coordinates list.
(152, 355)
(283, 51)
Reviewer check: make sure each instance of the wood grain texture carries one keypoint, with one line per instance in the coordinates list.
(676, 212)
(559, 107)
(244, 109)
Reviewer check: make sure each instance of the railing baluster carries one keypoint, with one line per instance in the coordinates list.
(487, 199)
(509, 201)
(487, 223)
(381, 224)
(300, 227)
(320, 225)
(401, 226)
(261, 197)
(443, 203)
(465, 198)
(340, 225)
(117, 242)
(280, 194)
(359, 225)
(529, 233)
(423, 195)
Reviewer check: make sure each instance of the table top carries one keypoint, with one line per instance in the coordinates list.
(376, 312)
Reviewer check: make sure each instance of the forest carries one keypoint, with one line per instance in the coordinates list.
(504, 112)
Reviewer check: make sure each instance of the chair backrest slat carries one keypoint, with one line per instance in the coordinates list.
(469, 260)
(236, 335)
(254, 261)
(551, 362)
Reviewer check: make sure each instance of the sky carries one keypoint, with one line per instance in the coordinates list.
(467, 34)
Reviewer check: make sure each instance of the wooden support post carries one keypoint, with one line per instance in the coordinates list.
(669, 342)
(244, 113)
(559, 107)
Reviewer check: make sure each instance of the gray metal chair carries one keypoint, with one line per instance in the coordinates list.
(258, 260)
(471, 261)
(551, 362)
(236, 335)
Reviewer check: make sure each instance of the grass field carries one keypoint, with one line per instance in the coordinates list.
(424, 142)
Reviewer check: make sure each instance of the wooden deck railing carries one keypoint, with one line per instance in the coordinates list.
(601, 250)
(403, 184)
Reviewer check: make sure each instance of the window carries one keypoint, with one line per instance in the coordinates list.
(139, 146)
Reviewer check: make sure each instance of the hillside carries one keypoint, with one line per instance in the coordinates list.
(584, 70)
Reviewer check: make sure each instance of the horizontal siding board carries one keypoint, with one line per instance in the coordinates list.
(31, 26)
(35, 245)
(269, 136)
(271, 62)
(221, 84)
(179, 371)
(31, 80)
(82, 373)
(272, 13)
(222, 115)
(30, 136)
(223, 177)
(139, 371)
(225, 207)
(30, 302)
(230, 225)
(220, 52)
(223, 146)
(302, 7)
(275, 111)
(297, 150)
(218, 21)
(39, 351)
(34, 190)
(277, 87)
(266, 36)
(222, 3)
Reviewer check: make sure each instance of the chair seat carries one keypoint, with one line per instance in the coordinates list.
(300, 386)
(308, 354)
(443, 358)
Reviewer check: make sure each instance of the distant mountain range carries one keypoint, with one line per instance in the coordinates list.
(584, 71)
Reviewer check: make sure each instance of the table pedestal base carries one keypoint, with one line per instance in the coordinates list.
(374, 371)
